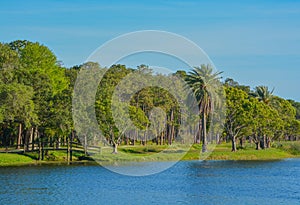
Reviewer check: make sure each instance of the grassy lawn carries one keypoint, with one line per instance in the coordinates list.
(143, 153)
(219, 152)
(279, 150)
(30, 158)
(9, 159)
(223, 152)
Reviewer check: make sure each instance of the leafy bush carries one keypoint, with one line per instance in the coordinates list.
(295, 149)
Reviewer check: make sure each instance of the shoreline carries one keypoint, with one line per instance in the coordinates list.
(219, 153)
(95, 163)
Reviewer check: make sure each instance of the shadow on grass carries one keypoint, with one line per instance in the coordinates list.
(31, 155)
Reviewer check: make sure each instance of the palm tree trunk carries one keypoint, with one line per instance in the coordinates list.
(204, 137)
(199, 133)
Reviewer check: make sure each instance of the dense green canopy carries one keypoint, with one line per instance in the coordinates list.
(36, 103)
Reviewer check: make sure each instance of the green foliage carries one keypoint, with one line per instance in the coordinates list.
(205, 84)
(104, 100)
(238, 113)
(17, 104)
(294, 149)
(287, 113)
(32, 88)
(232, 83)
(36, 94)
(296, 105)
(263, 94)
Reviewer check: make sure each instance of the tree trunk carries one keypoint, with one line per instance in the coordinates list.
(115, 148)
(145, 138)
(40, 149)
(58, 142)
(68, 148)
(199, 133)
(172, 134)
(263, 142)
(257, 143)
(43, 151)
(268, 142)
(217, 138)
(19, 136)
(31, 138)
(204, 137)
(169, 134)
(85, 145)
(28, 138)
(135, 134)
(171, 127)
(70, 142)
(250, 140)
(233, 142)
(25, 141)
(241, 142)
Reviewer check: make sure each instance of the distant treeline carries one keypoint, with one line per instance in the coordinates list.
(36, 104)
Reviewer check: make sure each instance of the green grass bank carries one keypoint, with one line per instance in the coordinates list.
(279, 150)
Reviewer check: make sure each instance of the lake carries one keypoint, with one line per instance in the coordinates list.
(188, 182)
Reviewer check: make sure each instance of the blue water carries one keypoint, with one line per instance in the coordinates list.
(189, 182)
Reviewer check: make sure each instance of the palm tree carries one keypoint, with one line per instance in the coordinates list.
(204, 83)
(264, 94)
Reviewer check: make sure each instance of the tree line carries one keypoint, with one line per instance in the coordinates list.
(36, 105)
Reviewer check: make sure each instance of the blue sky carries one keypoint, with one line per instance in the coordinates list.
(254, 42)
